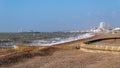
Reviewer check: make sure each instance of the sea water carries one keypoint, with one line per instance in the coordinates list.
(53, 41)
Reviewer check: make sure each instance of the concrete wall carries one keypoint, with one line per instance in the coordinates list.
(96, 47)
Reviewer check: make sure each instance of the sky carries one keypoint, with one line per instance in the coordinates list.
(57, 15)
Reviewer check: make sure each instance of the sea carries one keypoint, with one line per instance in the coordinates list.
(54, 41)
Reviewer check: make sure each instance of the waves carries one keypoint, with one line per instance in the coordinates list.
(53, 41)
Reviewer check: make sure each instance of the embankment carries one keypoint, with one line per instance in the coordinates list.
(92, 46)
(21, 53)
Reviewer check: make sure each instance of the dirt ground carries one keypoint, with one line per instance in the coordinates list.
(63, 56)
(71, 59)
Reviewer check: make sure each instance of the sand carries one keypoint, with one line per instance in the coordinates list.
(68, 56)
(71, 59)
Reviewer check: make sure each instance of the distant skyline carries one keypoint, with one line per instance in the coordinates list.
(57, 15)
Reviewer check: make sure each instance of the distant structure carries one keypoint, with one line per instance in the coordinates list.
(101, 29)
(102, 25)
(21, 30)
(116, 30)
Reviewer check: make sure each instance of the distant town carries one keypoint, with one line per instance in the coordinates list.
(102, 28)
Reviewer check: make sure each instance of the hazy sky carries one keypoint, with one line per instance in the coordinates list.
(57, 15)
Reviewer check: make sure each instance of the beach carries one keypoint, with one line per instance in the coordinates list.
(66, 55)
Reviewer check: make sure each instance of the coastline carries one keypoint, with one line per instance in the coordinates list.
(61, 55)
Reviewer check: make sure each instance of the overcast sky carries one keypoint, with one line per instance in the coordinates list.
(57, 15)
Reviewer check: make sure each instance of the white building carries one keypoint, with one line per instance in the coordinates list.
(101, 29)
(116, 30)
(102, 25)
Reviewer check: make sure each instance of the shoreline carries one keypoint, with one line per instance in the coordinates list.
(65, 51)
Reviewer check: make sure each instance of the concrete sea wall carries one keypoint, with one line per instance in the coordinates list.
(88, 47)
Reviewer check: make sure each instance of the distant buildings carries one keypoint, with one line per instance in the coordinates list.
(20, 31)
(116, 30)
(101, 29)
